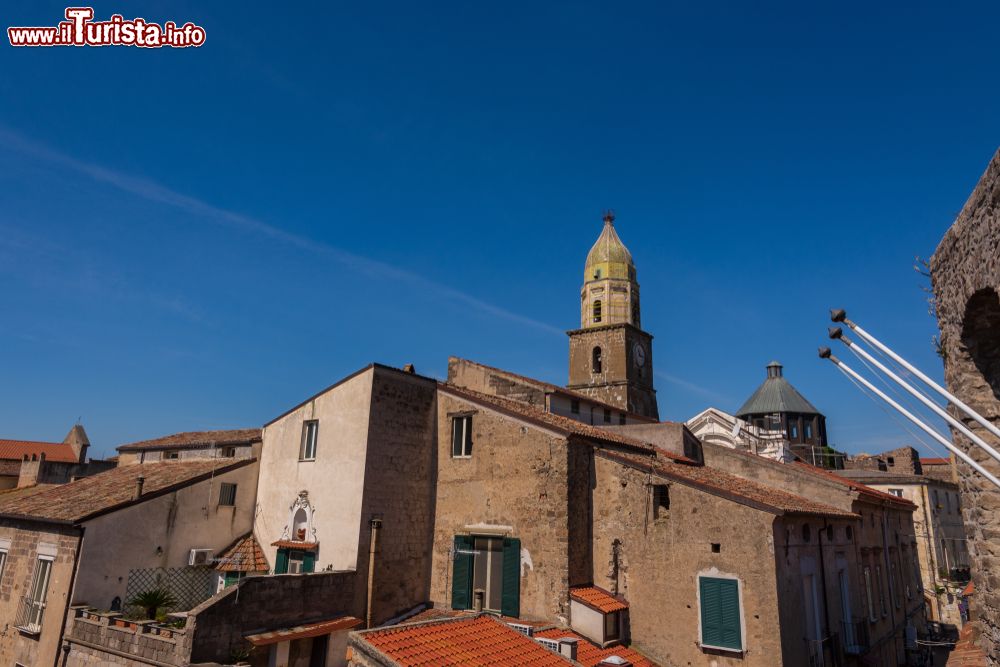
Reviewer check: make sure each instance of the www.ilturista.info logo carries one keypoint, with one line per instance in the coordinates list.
(79, 29)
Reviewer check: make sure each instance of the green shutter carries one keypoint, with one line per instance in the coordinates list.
(281, 562)
(720, 613)
(461, 580)
(308, 561)
(232, 578)
(510, 600)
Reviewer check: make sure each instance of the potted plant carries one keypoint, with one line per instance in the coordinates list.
(152, 600)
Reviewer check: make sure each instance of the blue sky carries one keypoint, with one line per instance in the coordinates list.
(201, 238)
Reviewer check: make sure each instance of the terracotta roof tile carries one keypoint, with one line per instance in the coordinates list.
(109, 490)
(558, 389)
(245, 555)
(591, 655)
(598, 598)
(865, 491)
(935, 462)
(54, 451)
(304, 631)
(197, 440)
(557, 422)
(732, 486)
(468, 642)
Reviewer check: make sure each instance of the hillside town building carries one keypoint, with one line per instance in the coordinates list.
(492, 518)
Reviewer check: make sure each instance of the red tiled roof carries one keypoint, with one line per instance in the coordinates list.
(966, 653)
(295, 544)
(197, 440)
(731, 486)
(106, 491)
(245, 555)
(54, 451)
(558, 389)
(591, 655)
(304, 631)
(481, 641)
(598, 598)
(935, 462)
(554, 421)
(865, 491)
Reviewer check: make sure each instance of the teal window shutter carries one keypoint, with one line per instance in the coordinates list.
(308, 561)
(461, 579)
(510, 599)
(720, 613)
(281, 562)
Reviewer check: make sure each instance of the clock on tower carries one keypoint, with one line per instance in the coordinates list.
(610, 356)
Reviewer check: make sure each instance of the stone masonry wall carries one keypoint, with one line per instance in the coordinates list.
(965, 271)
(400, 469)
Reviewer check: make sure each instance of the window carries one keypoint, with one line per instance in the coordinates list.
(892, 583)
(621, 418)
(597, 274)
(33, 604)
(294, 561)
(227, 495)
(595, 360)
(793, 430)
(868, 594)
(597, 311)
(607, 415)
(891, 461)
(611, 626)
(881, 591)
(461, 437)
(310, 430)
(171, 455)
(574, 406)
(806, 532)
(490, 567)
(661, 500)
(896, 492)
(807, 430)
(228, 452)
(719, 602)
(3, 562)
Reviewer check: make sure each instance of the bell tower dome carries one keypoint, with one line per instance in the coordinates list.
(611, 357)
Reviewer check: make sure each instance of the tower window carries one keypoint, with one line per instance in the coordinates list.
(597, 310)
(595, 362)
(597, 274)
(635, 314)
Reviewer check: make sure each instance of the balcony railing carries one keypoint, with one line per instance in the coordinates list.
(854, 637)
(29, 615)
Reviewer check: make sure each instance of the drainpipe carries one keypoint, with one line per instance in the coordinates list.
(826, 601)
(376, 525)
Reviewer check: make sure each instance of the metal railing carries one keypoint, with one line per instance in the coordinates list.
(29, 615)
(854, 637)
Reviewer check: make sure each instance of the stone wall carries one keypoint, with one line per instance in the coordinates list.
(102, 639)
(216, 628)
(25, 541)
(965, 270)
(400, 468)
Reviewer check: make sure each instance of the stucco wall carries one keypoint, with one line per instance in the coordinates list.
(160, 533)
(26, 540)
(335, 480)
(516, 477)
(659, 561)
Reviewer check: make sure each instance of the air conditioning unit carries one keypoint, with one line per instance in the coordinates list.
(200, 557)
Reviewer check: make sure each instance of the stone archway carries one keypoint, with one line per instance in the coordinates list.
(981, 345)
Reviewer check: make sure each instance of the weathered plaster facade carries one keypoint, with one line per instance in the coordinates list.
(965, 270)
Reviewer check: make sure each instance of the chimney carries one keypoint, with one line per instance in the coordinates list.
(567, 647)
(139, 481)
(409, 368)
(30, 470)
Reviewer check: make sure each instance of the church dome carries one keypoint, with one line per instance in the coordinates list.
(609, 258)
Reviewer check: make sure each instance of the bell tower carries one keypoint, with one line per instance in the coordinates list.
(610, 356)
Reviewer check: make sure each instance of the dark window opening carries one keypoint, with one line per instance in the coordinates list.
(595, 360)
(597, 310)
(607, 416)
(310, 430)
(227, 495)
(806, 532)
(716, 548)
(661, 500)
(574, 406)
(621, 418)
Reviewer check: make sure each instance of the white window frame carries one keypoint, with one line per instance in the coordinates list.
(466, 425)
(715, 574)
(36, 628)
(309, 445)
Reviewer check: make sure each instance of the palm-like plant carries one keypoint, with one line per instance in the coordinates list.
(152, 600)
